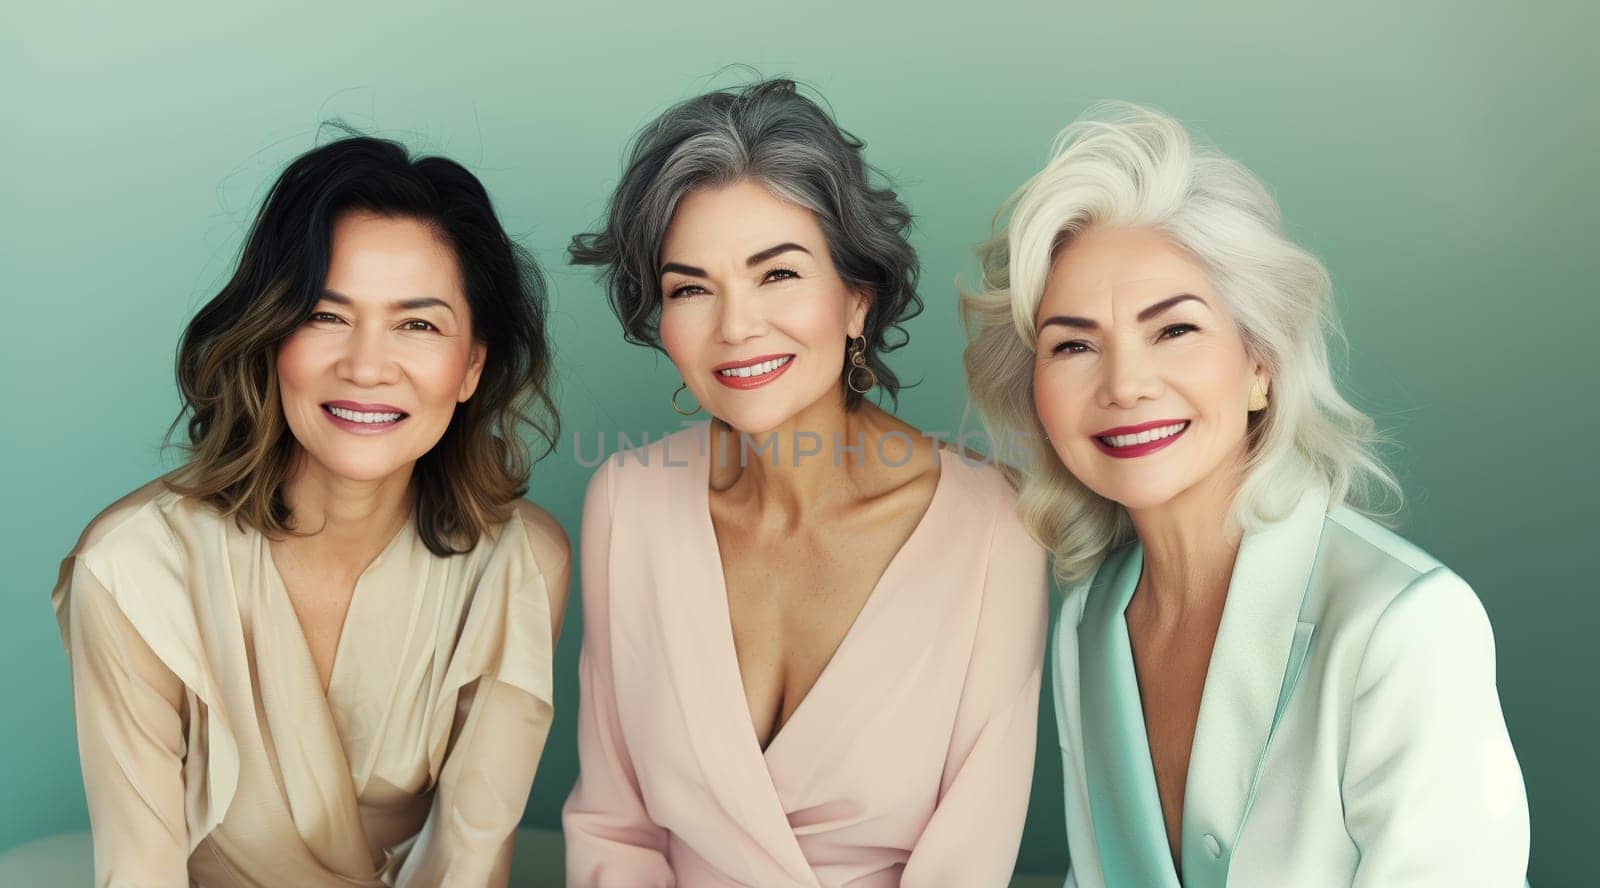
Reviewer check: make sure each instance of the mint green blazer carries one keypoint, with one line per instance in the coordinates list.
(1350, 732)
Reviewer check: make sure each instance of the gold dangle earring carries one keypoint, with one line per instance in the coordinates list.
(680, 410)
(858, 365)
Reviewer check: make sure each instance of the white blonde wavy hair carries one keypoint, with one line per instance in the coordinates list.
(1126, 166)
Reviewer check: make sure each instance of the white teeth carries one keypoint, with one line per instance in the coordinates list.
(357, 416)
(1146, 436)
(756, 369)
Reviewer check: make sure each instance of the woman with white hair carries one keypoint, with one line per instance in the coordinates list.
(1255, 683)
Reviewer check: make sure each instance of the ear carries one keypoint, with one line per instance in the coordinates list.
(860, 303)
(469, 383)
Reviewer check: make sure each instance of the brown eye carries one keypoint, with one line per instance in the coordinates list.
(1070, 347)
(322, 317)
(1173, 331)
(419, 324)
(780, 274)
(685, 290)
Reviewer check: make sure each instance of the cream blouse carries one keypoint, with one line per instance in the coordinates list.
(211, 755)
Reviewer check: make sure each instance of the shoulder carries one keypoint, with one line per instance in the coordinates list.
(1362, 568)
(1435, 622)
(1390, 593)
(646, 477)
(657, 458)
(545, 535)
(980, 488)
(134, 558)
(1355, 537)
(983, 496)
(982, 506)
(147, 520)
(552, 552)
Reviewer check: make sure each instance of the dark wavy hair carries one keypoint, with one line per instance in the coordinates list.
(769, 133)
(240, 448)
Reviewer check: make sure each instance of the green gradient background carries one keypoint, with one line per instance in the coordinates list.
(1439, 158)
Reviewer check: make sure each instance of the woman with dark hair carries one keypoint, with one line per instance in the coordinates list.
(812, 646)
(319, 652)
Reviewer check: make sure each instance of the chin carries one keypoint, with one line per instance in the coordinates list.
(358, 467)
(1138, 495)
(755, 422)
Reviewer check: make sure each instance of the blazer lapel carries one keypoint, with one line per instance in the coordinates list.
(1124, 803)
(1255, 664)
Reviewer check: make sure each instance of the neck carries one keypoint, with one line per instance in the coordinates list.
(344, 520)
(800, 470)
(1187, 561)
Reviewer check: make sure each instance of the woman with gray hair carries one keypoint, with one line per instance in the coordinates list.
(812, 647)
(1255, 683)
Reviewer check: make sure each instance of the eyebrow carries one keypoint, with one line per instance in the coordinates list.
(399, 304)
(754, 260)
(1167, 303)
(1145, 315)
(769, 252)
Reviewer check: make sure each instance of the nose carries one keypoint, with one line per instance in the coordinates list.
(739, 317)
(1126, 378)
(367, 360)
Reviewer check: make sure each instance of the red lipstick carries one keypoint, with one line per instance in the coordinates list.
(1130, 451)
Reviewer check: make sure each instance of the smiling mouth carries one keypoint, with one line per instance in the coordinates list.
(760, 369)
(1144, 437)
(364, 421)
(1136, 441)
(753, 374)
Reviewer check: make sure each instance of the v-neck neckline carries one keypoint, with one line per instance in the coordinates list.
(1125, 600)
(304, 727)
(1125, 801)
(873, 603)
(282, 589)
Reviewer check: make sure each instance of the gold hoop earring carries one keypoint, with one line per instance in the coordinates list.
(858, 365)
(680, 411)
(1258, 398)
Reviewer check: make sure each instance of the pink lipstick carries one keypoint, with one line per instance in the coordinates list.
(361, 418)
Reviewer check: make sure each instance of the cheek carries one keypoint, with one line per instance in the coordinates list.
(299, 361)
(439, 374)
(1057, 398)
(1216, 378)
(816, 321)
(679, 334)
(815, 317)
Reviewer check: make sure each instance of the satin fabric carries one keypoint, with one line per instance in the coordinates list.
(211, 754)
(908, 763)
(1349, 730)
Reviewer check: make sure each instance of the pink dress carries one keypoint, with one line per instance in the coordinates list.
(908, 763)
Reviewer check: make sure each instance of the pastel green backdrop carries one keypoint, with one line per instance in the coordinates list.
(1438, 156)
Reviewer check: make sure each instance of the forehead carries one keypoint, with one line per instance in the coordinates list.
(735, 221)
(1105, 266)
(389, 258)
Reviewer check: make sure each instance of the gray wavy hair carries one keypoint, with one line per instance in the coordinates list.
(769, 133)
